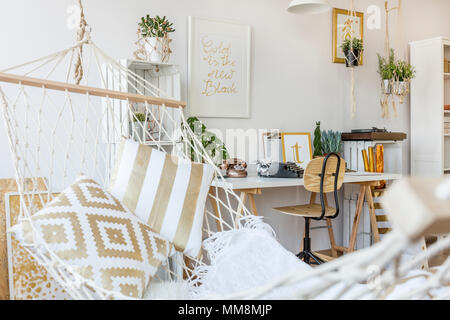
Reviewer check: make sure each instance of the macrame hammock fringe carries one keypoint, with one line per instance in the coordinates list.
(58, 129)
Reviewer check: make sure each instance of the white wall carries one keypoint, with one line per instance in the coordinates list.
(294, 82)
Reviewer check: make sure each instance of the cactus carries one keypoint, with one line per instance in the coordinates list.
(331, 141)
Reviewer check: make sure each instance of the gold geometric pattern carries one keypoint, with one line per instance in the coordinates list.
(94, 197)
(78, 249)
(105, 247)
(111, 275)
(54, 234)
(158, 246)
(115, 236)
(98, 237)
(61, 201)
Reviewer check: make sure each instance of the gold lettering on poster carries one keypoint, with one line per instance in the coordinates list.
(296, 153)
(220, 78)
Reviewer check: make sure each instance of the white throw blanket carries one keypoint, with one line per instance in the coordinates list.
(250, 257)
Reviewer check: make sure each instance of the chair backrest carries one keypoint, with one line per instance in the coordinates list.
(313, 173)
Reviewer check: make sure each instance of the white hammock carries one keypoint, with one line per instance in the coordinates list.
(58, 129)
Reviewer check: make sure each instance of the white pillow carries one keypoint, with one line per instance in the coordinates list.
(166, 192)
(167, 290)
(97, 238)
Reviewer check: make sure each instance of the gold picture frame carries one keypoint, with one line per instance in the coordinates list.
(302, 140)
(338, 16)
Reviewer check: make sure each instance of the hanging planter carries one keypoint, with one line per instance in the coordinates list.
(395, 80)
(386, 86)
(352, 49)
(403, 73)
(386, 68)
(400, 88)
(154, 42)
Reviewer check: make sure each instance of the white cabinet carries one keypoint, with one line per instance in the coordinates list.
(430, 91)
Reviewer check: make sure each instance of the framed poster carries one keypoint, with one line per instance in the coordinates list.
(346, 26)
(219, 68)
(296, 147)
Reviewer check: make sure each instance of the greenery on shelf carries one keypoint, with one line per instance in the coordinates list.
(317, 141)
(155, 27)
(215, 148)
(355, 44)
(331, 141)
(138, 116)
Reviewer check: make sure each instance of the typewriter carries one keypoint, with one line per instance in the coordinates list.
(278, 169)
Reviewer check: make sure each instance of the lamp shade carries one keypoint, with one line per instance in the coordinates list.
(308, 6)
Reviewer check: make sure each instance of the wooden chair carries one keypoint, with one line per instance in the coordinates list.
(322, 175)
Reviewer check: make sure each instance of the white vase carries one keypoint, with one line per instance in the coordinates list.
(386, 86)
(155, 49)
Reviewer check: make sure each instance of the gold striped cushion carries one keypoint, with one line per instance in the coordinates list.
(166, 192)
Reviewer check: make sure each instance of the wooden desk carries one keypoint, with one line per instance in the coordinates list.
(253, 184)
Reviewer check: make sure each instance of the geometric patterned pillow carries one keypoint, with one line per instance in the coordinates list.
(166, 192)
(94, 234)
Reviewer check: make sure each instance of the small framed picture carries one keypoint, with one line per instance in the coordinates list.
(345, 27)
(296, 147)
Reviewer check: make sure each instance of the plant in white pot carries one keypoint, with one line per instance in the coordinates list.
(403, 73)
(155, 32)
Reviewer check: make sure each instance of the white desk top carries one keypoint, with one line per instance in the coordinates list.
(254, 181)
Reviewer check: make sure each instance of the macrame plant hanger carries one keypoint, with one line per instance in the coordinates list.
(396, 88)
(352, 13)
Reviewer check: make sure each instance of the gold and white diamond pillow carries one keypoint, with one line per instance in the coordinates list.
(91, 231)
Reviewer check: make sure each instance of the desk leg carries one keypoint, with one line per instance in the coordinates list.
(373, 216)
(358, 213)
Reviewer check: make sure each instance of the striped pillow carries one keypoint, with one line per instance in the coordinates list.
(166, 192)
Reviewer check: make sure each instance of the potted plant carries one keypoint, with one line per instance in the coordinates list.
(331, 142)
(386, 68)
(213, 146)
(317, 141)
(155, 31)
(403, 73)
(140, 126)
(352, 49)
